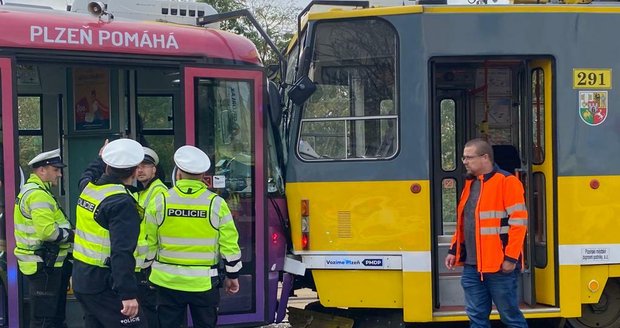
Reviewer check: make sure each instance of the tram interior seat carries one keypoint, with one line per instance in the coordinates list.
(507, 157)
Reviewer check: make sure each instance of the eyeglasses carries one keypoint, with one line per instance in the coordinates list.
(469, 158)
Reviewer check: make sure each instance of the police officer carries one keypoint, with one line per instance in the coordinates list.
(146, 174)
(107, 228)
(193, 229)
(151, 186)
(42, 238)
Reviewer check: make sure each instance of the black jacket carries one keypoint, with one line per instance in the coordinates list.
(92, 173)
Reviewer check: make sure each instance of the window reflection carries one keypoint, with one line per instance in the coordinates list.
(224, 130)
(30, 138)
(448, 135)
(155, 129)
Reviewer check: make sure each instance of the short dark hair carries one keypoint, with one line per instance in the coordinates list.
(120, 173)
(191, 176)
(482, 147)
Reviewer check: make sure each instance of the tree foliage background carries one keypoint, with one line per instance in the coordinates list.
(277, 17)
(29, 119)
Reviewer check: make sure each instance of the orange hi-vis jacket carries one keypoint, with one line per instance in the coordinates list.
(501, 221)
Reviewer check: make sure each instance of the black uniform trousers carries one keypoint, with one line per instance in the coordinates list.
(147, 298)
(46, 293)
(171, 306)
(65, 277)
(103, 310)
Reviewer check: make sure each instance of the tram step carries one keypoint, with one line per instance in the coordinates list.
(312, 319)
(450, 290)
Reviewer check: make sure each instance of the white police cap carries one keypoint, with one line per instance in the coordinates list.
(150, 156)
(192, 160)
(47, 158)
(123, 153)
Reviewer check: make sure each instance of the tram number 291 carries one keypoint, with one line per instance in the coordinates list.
(591, 78)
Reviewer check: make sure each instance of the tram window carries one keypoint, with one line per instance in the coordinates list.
(448, 205)
(228, 104)
(353, 113)
(538, 114)
(164, 147)
(290, 77)
(30, 137)
(539, 215)
(225, 107)
(156, 111)
(290, 68)
(275, 180)
(448, 135)
(326, 138)
(156, 128)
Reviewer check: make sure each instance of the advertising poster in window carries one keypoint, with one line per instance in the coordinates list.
(91, 89)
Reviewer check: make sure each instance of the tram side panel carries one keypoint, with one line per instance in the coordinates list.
(581, 153)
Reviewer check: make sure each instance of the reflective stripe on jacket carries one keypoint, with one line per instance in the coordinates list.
(501, 221)
(37, 219)
(92, 241)
(194, 228)
(156, 187)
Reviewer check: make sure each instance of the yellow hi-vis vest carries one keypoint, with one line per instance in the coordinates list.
(92, 241)
(144, 198)
(155, 188)
(187, 254)
(34, 199)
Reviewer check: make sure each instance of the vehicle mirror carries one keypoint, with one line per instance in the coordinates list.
(301, 90)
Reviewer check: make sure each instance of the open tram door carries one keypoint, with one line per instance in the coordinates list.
(8, 265)
(224, 118)
(508, 102)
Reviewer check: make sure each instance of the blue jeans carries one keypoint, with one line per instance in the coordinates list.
(498, 287)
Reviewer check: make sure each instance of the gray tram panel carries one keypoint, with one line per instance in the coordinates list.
(554, 34)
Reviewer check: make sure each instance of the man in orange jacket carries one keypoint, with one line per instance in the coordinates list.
(491, 227)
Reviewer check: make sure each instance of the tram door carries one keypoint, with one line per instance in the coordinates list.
(491, 100)
(224, 118)
(8, 273)
(448, 116)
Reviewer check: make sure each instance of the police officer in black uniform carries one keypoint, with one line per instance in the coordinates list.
(147, 296)
(108, 223)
